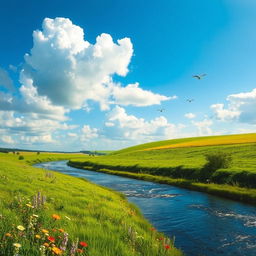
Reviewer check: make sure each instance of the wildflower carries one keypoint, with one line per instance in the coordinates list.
(161, 238)
(167, 247)
(57, 251)
(45, 231)
(29, 205)
(46, 244)
(79, 250)
(17, 245)
(37, 236)
(51, 238)
(67, 218)
(152, 229)
(56, 217)
(83, 244)
(34, 215)
(64, 242)
(8, 235)
(61, 230)
(21, 228)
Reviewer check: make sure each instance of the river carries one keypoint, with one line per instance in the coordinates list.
(203, 225)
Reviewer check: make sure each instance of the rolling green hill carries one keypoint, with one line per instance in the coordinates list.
(193, 142)
(185, 159)
(48, 213)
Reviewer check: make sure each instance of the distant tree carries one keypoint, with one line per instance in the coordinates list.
(17, 153)
(38, 153)
(21, 157)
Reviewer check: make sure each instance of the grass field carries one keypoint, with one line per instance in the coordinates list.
(48, 213)
(185, 159)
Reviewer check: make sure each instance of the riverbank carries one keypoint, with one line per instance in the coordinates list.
(231, 192)
(101, 220)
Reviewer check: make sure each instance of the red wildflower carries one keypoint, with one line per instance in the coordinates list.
(167, 247)
(51, 238)
(84, 244)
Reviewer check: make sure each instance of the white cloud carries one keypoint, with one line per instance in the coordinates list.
(203, 127)
(31, 102)
(71, 134)
(241, 107)
(121, 126)
(6, 139)
(88, 133)
(81, 71)
(133, 95)
(190, 115)
(29, 128)
(37, 139)
(5, 80)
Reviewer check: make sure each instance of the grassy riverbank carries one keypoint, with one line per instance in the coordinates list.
(182, 162)
(38, 208)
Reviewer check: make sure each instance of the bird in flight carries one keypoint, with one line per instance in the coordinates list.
(190, 100)
(199, 77)
(161, 110)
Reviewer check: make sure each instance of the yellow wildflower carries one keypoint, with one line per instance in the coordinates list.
(8, 234)
(29, 205)
(57, 251)
(17, 245)
(21, 228)
(45, 231)
(37, 236)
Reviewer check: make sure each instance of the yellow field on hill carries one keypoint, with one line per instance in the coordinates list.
(211, 141)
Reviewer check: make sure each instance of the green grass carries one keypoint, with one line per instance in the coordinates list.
(186, 162)
(193, 142)
(100, 217)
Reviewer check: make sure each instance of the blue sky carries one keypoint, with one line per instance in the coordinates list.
(94, 74)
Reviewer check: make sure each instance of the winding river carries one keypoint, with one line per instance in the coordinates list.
(203, 225)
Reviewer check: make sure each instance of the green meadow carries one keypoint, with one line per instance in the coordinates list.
(48, 213)
(183, 162)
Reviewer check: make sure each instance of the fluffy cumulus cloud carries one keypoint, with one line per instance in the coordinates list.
(190, 115)
(88, 133)
(133, 95)
(203, 127)
(240, 107)
(64, 72)
(29, 129)
(121, 126)
(81, 71)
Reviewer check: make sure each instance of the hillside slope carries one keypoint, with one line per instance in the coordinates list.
(193, 142)
(38, 207)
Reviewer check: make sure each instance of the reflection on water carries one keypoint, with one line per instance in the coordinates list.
(203, 225)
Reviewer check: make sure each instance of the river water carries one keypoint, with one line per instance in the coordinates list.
(203, 225)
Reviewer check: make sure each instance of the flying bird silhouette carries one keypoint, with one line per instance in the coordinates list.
(199, 77)
(161, 110)
(190, 100)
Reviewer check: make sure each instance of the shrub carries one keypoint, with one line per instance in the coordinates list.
(21, 157)
(217, 160)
